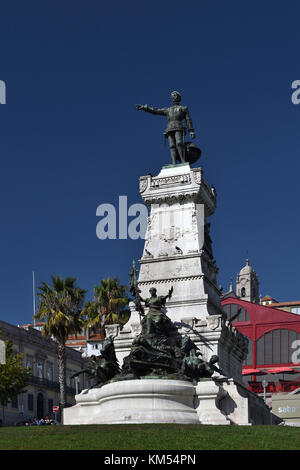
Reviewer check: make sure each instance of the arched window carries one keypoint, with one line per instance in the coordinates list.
(276, 346)
(243, 292)
(249, 359)
(236, 313)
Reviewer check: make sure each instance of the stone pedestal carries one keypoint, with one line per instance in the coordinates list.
(243, 407)
(135, 402)
(208, 395)
(178, 253)
(177, 249)
(216, 401)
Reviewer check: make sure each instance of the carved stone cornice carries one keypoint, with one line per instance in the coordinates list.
(170, 280)
(179, 184)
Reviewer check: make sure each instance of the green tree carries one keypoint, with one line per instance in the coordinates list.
(60, 307)
(13, 376)
(109, 305)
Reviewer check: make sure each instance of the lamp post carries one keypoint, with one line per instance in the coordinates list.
(77, 380)
(264, 384)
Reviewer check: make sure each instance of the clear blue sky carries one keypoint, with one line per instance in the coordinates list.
(71, 138)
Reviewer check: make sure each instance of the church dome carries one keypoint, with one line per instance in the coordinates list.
(246, 269)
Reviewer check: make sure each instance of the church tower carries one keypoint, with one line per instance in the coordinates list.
(247, 284)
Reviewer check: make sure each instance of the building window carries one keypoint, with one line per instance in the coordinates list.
(29, 362)
(276, 350)
(268, 358)
(284, 346)
(249, 359)
(243, 292)
(30, 402)
(260, 351)
(68, 378)
(14, 402)
(236, 313)
(40, 369)
(276, 346)
(50, 405)
(50, 371)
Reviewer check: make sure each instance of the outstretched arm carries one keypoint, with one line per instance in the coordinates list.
(148, 109)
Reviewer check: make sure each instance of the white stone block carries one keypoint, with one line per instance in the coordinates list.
(135, 401)
(208, 395)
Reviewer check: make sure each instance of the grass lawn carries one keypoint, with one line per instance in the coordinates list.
(150, 437)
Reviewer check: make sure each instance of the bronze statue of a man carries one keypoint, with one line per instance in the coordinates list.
(155, 315)
(175, 130)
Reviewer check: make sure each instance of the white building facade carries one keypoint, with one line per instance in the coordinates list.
(42, 391)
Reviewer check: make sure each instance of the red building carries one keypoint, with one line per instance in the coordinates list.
(274, 340)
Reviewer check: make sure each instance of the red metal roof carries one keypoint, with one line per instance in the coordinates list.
(263, 313)
(281, 370)
(253, 372)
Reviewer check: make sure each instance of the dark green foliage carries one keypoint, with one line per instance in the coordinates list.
(109, 305)
(13, 376)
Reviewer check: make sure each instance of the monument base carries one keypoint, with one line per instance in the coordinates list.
(212, 401)
(135, 402)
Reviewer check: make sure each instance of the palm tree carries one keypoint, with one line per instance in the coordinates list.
(60, 307)
(108, 306)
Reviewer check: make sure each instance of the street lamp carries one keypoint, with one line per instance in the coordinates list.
(264, 384)
(77, 380)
